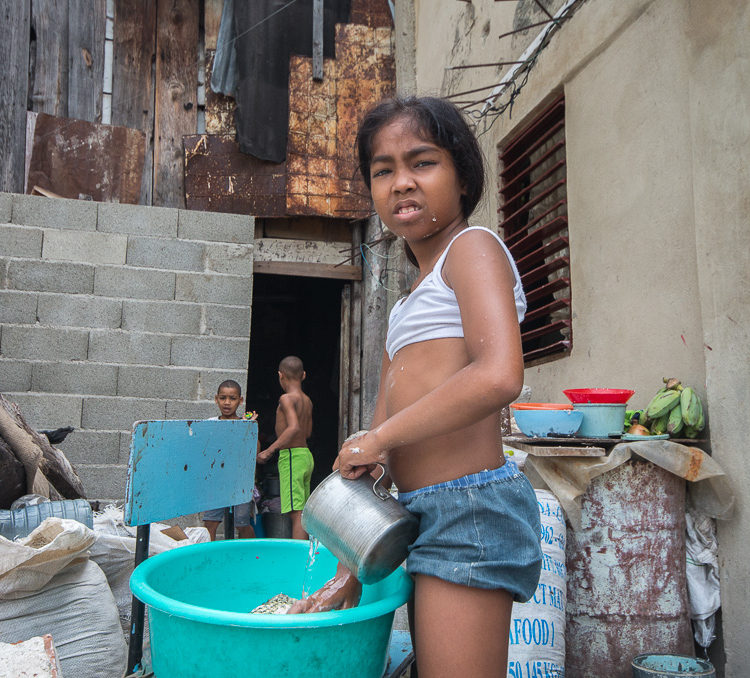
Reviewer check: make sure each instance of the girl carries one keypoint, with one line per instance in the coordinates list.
(452, 360)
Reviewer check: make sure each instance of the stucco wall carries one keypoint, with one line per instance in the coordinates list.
(657, 131)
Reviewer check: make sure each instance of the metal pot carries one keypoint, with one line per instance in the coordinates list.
(361, 524)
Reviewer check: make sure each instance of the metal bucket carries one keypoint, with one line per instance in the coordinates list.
(671, 666)
(361, 524)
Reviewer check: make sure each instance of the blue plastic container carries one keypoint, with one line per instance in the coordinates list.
(671, 666)
(601, 420)
(199, 599)
(544, 423)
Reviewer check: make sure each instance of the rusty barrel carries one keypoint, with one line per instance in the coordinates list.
(627, 588)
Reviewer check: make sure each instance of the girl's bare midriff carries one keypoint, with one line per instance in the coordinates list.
(415, 371)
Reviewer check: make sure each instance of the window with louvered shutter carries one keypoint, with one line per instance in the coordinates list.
(534, 225)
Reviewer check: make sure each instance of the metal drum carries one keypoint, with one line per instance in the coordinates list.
(361, 524)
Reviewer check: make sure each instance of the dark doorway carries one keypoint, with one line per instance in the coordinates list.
(302, 317)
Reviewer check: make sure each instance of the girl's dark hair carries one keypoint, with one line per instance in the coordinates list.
(443, 124)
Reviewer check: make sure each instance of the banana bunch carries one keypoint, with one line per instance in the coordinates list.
(675, 409)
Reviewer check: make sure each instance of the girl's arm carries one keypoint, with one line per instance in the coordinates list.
(481, 276)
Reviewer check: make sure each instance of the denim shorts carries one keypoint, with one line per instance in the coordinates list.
(243, 514)
(480, 530)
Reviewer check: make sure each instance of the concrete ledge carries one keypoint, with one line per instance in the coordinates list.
(137, 220)
(231, 259)
(18, 307)
(84, 247)
(21, 241)
(117, 346)
(32, 210)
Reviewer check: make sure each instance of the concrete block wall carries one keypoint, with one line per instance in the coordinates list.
(111, 314)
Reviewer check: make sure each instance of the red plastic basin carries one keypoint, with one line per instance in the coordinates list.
(598, 395)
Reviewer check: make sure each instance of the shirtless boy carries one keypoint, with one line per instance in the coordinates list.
(293, 428)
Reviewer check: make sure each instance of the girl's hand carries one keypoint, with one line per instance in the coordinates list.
(339, 593)
(359, 454)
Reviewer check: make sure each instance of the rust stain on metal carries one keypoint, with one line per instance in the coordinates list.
(627, 591)
(695, 463)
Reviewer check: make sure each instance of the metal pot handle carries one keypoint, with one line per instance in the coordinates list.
(379, 490)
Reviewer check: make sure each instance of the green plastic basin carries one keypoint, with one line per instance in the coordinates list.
(199, 599)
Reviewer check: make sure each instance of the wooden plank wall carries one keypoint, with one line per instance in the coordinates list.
(134, 52)
(14, 51)
(176, 111)
(86, 30)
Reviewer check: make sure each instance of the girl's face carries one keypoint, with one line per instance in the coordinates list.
(414, 185)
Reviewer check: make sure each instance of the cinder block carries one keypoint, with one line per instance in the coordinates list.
(226, 321)
(79, 310)
(119, 414)
(217, 289)
(84, 247)
(137, 220)
(104, 482)
(210, 380)
(210, 352)
(158, 382)
(92, 447)
(215, 226)
(43, 411)
(18, 307)
(125, 439)
(74, 377)
(186, 409)
(6, 207)
(117, 346)
(50, 276)
(162, 253)
(44, 343)
(133, 283)
(15, 375)
(161, 316)
(228, 258)
(32, 210)
(21, 241)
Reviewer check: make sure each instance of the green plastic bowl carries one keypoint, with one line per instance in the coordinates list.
(199, 599)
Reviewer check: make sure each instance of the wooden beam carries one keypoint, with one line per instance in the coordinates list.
(176, 96)
(49, 93)
(87, 21)
(308, 270)
(132, 77)
(14, 79)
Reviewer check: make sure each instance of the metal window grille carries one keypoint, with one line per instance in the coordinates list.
(534, 224)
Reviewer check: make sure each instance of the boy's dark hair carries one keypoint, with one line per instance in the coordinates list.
(292, 367)
(229, 383)
(441, 122)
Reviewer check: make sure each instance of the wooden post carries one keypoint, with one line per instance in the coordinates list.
(133, 78)
(176, 111)
(14, 55)
(317, 40)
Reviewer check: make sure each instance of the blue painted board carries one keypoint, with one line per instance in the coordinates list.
(179, 467)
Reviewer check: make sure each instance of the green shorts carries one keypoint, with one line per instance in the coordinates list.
(295, 468)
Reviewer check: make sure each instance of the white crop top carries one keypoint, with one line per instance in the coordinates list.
(431, 310)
